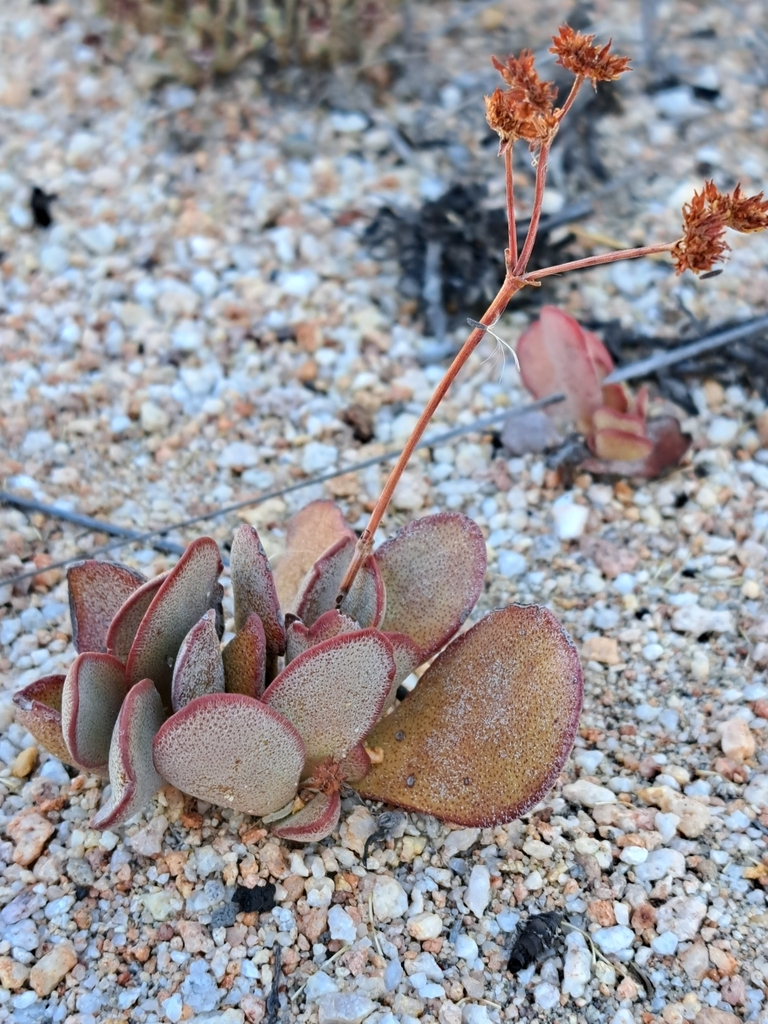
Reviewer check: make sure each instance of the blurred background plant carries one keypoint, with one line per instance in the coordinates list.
(198, 38)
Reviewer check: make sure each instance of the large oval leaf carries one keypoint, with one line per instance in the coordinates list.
(231, 751)
(317, 595)
(191, 588)
(254, 590)
(93, 692)
(132, 773)
(334, 692)
(199, 668)
(484, 735)
(124, 626)
(433, 571)
(310, 532)
(313, 822)
(96, 592)
(38, 709)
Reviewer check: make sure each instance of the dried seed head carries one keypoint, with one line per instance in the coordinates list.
(705, 219)
(525, 109)
(521, 76)
(576, 52)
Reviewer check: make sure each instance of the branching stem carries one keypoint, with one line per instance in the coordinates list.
(511, 221)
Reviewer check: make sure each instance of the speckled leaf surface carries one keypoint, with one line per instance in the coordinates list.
(94, 689)
(335, 691)
(38, 709)
(299, 638)
(408, 657)
(310, 532)
(245, 659)
(356, 764)
(253, 588)
(124, 626)
(199, 668)
(190, 589)
(484, 735)
(313, 822)
(132, 773)
(366, 599)
(232, 751)
(433, 571)
(96, 592)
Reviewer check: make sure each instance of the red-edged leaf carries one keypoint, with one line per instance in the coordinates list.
(626, 422)
(433, 571)
(317, 595)
(484, 735)
(310, 532)
(669, 446)
(190, 589)
(38, 709)
(132, 773)
(334, 692)
(313, 822)
(231, 751)
(300, 638)
(621, 444)
(124, 626)
(556, 354)
(356, 764)
(408, 657)
(617, 397)
(93, 691)
(254, 590)
(199, 668)
(245, 659)
(96, 592)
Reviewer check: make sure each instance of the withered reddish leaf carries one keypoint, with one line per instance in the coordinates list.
(199, 667)
(38, 709)
(96, 591)
(356, 764)
(313, 822)
(616, 396)
(310, 532)
(334, 692)
(245, 659)
(621, 444)
(557, 355)
(253, 588)
(94, 689)
(669, 446)
(433, 571)
(124, 626)
(190, 589)
(132, 773)
(300, 638)
(486, 732)
(626, 422)
(231, 751)
(317, 594)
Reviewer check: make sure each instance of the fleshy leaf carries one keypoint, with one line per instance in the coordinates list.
(38, 709)
(557, 355)
(669, 446)
(245, 659)
(124, 626)
(199, 668)
(96, 592)
(334, 692)
(231, 751)
(356, 764)
(132, 773)
(254, 590)
(484, 735)
(300, 638)
(408, 657)
(433, 571)
(190, 589)
(610, 419)
(93, 691)
(310, 532)
(313, 822)
(621, 444)
(317, 594)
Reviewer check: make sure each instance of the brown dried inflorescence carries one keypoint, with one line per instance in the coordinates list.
(576, 52)
(524, 110)
(705, 219)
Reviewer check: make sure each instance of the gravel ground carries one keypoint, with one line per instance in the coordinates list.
(194, 327)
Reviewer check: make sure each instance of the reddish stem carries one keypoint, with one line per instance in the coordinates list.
(538, 199)
(577, 84)
(596, 261)
(512, 250)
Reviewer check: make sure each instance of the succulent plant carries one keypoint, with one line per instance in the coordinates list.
(557, 354)
(274, 723)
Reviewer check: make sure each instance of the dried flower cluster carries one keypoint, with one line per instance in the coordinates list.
(576, 52)
(705, 220)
